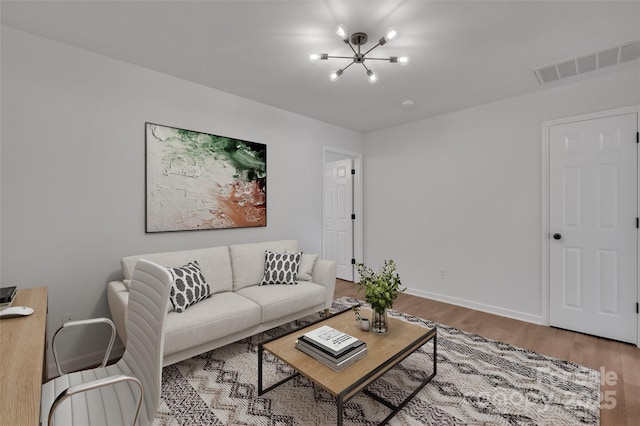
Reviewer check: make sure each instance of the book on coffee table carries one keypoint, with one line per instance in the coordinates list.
(337, 364)
(331, 341)
(311, 349)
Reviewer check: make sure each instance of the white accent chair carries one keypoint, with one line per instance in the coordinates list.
(127, 392)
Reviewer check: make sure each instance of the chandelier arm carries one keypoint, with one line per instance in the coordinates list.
(365, 67)
(341, 57)
(379, 59)
(367, 52)
(352, 62)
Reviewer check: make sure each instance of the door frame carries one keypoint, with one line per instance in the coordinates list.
(358, 223)
(545, 302)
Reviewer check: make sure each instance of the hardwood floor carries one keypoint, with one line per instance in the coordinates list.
(618, 362)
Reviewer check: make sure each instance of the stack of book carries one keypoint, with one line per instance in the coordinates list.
(332, 347)
(6, 296)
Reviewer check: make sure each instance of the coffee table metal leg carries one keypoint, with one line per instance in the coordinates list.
(340, 408)
(262, 391)
(396, 408)
(260, 350)
(435, 355)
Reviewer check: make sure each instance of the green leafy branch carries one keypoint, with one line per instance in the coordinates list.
(380, 288)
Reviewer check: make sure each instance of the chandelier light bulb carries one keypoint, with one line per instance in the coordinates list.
(314, 57)
(341, 31)
(391, 34)
(403, 60)
(372, 76)
(334, 75)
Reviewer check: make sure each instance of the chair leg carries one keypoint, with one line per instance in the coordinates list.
(326, 312)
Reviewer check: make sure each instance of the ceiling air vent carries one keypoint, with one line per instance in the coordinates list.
(586, 63)
(630, 52)
(567, 69)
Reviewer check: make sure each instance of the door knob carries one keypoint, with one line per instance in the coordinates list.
(557, 236)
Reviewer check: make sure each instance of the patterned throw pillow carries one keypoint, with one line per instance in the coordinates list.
(280, 268)
(189, 286)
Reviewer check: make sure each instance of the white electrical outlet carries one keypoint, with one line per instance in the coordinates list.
(443, 273)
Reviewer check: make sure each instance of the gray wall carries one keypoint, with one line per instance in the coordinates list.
(72, 168)
(463, 192)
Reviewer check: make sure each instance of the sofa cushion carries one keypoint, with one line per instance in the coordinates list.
(214, 262)
(307, 262)
(247, 260)
(280, 268)
(278, 301)
(220, 315)
(189, 286)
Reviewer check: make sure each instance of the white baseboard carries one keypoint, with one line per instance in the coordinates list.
(83, 361)
(503, 312)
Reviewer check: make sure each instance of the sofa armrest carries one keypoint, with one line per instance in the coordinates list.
(324, 273)
(118, 298)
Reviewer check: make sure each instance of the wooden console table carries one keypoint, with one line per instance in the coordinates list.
(23, 360)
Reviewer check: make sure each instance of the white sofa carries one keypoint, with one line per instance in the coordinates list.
(237, 306)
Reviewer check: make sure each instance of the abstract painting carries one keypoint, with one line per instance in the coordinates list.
(201, 181)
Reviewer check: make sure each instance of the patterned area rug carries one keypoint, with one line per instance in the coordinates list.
(479, 382)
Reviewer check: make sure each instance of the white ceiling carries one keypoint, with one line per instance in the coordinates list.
(463, 53)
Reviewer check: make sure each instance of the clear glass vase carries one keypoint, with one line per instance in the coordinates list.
(379, 323)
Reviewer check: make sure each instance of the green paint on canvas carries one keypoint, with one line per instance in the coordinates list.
(247, 158)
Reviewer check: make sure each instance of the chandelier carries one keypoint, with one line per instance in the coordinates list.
(358, 39)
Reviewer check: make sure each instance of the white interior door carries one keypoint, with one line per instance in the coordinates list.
(593, 166)
(338, 224)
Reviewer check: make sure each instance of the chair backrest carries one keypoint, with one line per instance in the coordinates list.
(147, 310)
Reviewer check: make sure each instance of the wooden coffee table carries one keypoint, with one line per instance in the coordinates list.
(384, 352)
